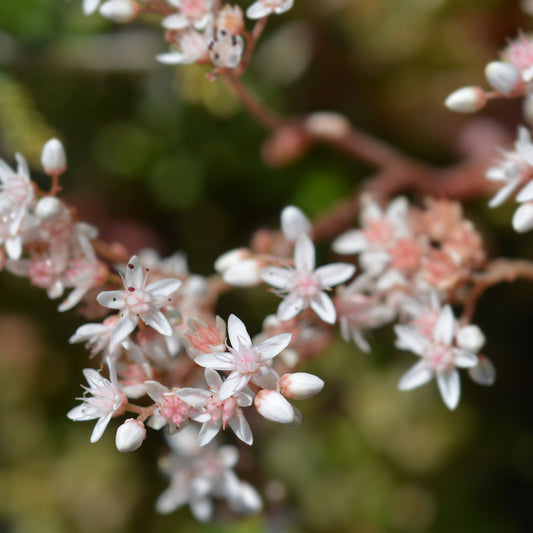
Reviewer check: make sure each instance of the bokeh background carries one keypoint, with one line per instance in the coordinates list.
(161, 157)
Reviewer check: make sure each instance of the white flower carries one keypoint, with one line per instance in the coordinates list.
(195, 13)
(303, 286)
(219, 412)
(139, 301)
(244, 361)
(191, 46)
(263, 8)
(225, 50)
(440, 357)
(102, 400)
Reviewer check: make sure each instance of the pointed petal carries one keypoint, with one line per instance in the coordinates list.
(269, 348)
(324, 308)
(209, 432)
(155, 390)
(157, 320)
(330, 275)
(257, 10)
(235, 382)
(216, 360)
(504, 193)
(445, 326)
(294, 223)
(237, 333)
(278, 277)
(450, 388)
(290, 307)
(351, 242)
(99, 428)
(304, 254)
(213, 379)
(163, 288)
(410, 339)
(134, 276)
(241, 428)
(484, 373)
(169, 500)
(111, 299)
(416, 376)
(125, 325)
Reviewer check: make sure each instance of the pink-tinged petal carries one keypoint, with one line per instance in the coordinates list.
(333, 274)
(351, 242)
(324, 308)
(99, 428)
(196, 398)
(237, 333)
(125, 325)
(213, 379)
(134, 276)
(157, 320)
(258, 10)
(304, 254)
(163, 288)
(450, 387)
(216, 360)
(273, 406)
(416, 376)
(281, 278)
(155, 390)
(445, 326)
(241, 428)
(290, 307)
(209, 432)
(235, 382)
(410, 339)
(269, 348)
(94, 378)
(112, 299)
(484, 373)
(464, 358)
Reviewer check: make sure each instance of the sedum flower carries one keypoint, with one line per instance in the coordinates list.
(263, 8)
(139, 301)
(303, 286)
(225, 50)
(244, 360)
(102, 400)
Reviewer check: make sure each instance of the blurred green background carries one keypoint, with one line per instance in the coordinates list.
(161, 157)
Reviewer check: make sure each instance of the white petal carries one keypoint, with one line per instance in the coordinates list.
(464, 358)
(216, 360)
(125, 325)
(235, 382)
(213, 379)
(281, 278)
(484, 372)
(444, 328)
(241, 428)
(202, 509)
(416, 376)
(209, 432)
(289, 308)
(99, 428)
(134, 274)
(176, 21)
(80, 413)
(157, 320)
(351, 242)
(163, 288)
(111, 299)
(237, 333)
(169, 500)
(450, 388)
(304, 254)
(155, 390)
(333, 274)
(258, 10)
(523, 218)
(284, 6)
(294, 223)
(273, 406)
(269, 348)
(90, 6)
(504, 193)
(173, 58)
(410, 339)
(324, 308)
(196, 398)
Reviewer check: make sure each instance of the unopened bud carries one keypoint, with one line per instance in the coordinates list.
(273, 406)
(466, 100)
(243, 274)
(294, 223)
(130, 435)
(484, 372)
(53, 158)
(120, 11)
(285, 145)
(300, 385)
(504, 77)
(48, 207)
(327, 124)
(523, 218)
(470, 338)
(231, 258)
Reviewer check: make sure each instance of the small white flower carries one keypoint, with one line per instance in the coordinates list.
(102, 400)
(225, 50)
(303, 286)
(191, 46)
(139, 301)
(244, 361)
(263, 8)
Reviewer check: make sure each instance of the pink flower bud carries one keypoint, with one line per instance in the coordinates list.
(53, 157)
(523, 218)
(120, 11)
(130, 435)
(300, 385)
(273, 406)
(466, 100)
(504, 77)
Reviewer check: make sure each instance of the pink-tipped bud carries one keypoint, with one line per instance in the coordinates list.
(484, 372)
(130, 435)
(231, 258)
(273, 406)
(504, 77)
(300, 385)
(523, 218)
(466, 100)
(243, 274)
(294, 223)
(470, 338)
(48, 207)
(53, 158)
(120, 11)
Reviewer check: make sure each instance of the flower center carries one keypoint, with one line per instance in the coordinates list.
(174, 409)
(138, 301)
(247, 361)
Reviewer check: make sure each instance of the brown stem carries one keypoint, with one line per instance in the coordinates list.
(251, 41)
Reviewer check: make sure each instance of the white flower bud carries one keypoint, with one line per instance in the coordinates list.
(523, 218)
(53, 157)
(470, 338)
(273, 406)
(327, 124)
(504, 77)
(300, 385)
(243, 274)
(466, 100)
(231, 258)
(120, 11)
(130, 435)
(48, 207)
(484, 372)
(294, 223)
